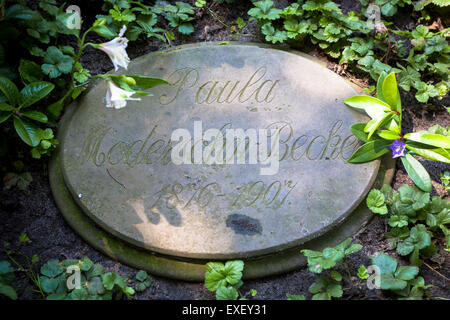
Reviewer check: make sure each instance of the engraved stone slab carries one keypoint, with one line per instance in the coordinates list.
(118, 166)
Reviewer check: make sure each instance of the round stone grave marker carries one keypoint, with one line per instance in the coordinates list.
(154, 184)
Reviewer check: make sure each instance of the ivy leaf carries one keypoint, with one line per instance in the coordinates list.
(329, 257)
(273, 35)
(408, 77)
(56, 63)
(425, 91)
(398, 221)
(186, 28)
(122, 16)
(219, 275)
(418, 239)
(141, 275)
(376, 202)
(52, 269)
(421, 32)
(324, 289)
(435, 44)
(412, 196)
(418, 62)
(49, 285)
(264, 11)
(226, 293)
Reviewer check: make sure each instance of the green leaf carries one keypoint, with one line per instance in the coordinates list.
(34, 92)
(85, 264)
(27, 131)
(186, 28)
(226, 293)
(233, 271)
(336, 275)
(141, 275)
(376, 202)
(19, 11)
(370, 151)
(48, 285)
(431, 139)
(214, 280)
(10, 90)
(362, 273)
(380, 86)
(388, 282)
(35, 115)
(386, 263)
(355, 247)
(406, 272)
(429, 152)
(358, 130)
(425, 91)
(295, 296)
(29, 71)
(8, 291)
(398, 221)
(373, 106)
(57, 296)
(52, 269)
(417, 172)
(390, 91)
(79, 294)
(388, 135)
(4, 116)
(371, 127)
(24, 237)
(103, 31)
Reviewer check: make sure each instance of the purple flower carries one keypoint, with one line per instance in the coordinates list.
(398, 149)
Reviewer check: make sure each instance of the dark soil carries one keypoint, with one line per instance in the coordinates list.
(33, 211)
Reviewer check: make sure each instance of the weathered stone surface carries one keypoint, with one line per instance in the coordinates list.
(117, 164)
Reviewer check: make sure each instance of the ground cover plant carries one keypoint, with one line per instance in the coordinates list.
(397, 50)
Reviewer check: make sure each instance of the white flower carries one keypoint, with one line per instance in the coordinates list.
(115, 49)
(117, 97)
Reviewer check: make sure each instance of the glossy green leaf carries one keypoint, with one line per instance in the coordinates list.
(388, 135)
(27, 131)
(10, 90)
(380, 123)
(374, 107)
(4, 116)
(35, 115)
(358, 130)
(5, 107)
(429, 152)
(432, 139)
(380, 86)
(390, 91)
(417, 172)
(34, 92)
(370, 151)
